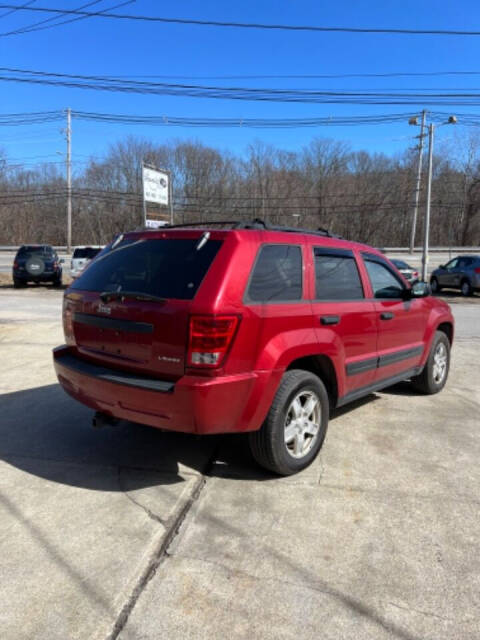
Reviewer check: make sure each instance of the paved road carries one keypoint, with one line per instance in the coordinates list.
(140, 535)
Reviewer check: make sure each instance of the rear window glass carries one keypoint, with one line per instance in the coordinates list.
(38, 251)
(85, 252)
(168, 268)
(336, 277)
(277, 274)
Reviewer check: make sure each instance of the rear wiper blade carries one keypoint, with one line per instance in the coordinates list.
(105, 296)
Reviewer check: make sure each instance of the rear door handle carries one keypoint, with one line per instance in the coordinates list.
(330, 319)
(387, 315)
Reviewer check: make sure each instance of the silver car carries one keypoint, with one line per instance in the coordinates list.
(463, 272)
(409, 273)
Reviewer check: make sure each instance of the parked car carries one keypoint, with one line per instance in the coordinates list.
(463, 273)
(36, 263)
(81, 257)
(253, 329)
(409, 273)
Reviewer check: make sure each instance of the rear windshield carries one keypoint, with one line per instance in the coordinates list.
(45, 251)
(85, 252)
(168, 268)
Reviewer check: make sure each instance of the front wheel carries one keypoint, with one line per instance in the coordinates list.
(435, 373)
(296, 425)
(435, 287)
(466, 288)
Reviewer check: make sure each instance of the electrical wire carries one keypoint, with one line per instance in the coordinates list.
(249, 25)
(23, 6)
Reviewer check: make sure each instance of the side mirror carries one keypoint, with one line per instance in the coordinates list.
(420, 290)
(62, 261)
(442, 266)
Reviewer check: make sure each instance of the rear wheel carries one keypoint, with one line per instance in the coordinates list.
(295, 428)
(57, 282)
(435, 286)
(466, 288)
(435, 373)
(18, 283)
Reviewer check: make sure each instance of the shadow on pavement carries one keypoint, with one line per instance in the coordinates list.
(46, 433)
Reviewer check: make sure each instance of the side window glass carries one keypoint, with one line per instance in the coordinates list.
(277, 274)
(453, 264)
(384, 283)
(336, 277)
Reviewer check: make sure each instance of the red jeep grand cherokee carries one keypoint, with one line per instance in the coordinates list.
(253, 328)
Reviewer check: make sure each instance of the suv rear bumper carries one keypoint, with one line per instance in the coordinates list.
(193, 404)
(46, 276)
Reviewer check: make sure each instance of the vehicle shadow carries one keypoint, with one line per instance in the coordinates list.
(46, 433)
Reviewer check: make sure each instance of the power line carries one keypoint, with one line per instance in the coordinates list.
(105, 83)
(18, 119)
(23, 6)
(246, 25)
(36, 26)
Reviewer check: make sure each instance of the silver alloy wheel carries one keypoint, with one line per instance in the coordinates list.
(302, 423)
(465, 288)
(440, 359)
(434, 285)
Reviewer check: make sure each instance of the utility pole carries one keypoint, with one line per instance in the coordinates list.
(69, 179)
(431, 129)
(419, 178)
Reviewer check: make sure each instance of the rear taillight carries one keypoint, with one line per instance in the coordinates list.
(415, 274)
(55, 265)
(15, 265)
(68, 322)
(477, 269)
(209, 339)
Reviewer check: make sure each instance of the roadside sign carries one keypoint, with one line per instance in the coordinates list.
(156, 186)
(157, 191)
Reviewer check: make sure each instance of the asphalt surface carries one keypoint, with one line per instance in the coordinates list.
(136, 534)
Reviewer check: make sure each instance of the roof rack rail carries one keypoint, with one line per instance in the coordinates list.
(255, 224)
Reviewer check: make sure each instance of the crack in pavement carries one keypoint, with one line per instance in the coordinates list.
(160, 552)
(124, 490)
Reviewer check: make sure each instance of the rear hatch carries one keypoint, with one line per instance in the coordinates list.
(129, 310)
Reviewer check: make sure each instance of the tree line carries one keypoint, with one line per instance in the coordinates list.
(360, 195)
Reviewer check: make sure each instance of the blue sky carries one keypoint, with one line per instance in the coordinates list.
(106, 47)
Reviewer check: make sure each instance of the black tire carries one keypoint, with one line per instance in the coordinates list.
(466, 288)
(18, 283)
(57, 282)
(436, 288)
(428, 381)
(268, 444)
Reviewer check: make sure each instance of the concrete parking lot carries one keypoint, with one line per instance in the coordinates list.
(135, 534)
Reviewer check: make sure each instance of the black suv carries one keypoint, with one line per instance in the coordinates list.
(36, 263)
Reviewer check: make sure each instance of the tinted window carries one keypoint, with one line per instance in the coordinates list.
(85, 252)
(277, 274)
(384, 283)
(26, 251)
(169, 268)
(336, 277)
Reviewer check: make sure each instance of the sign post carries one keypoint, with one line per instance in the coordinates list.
(157, 189)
